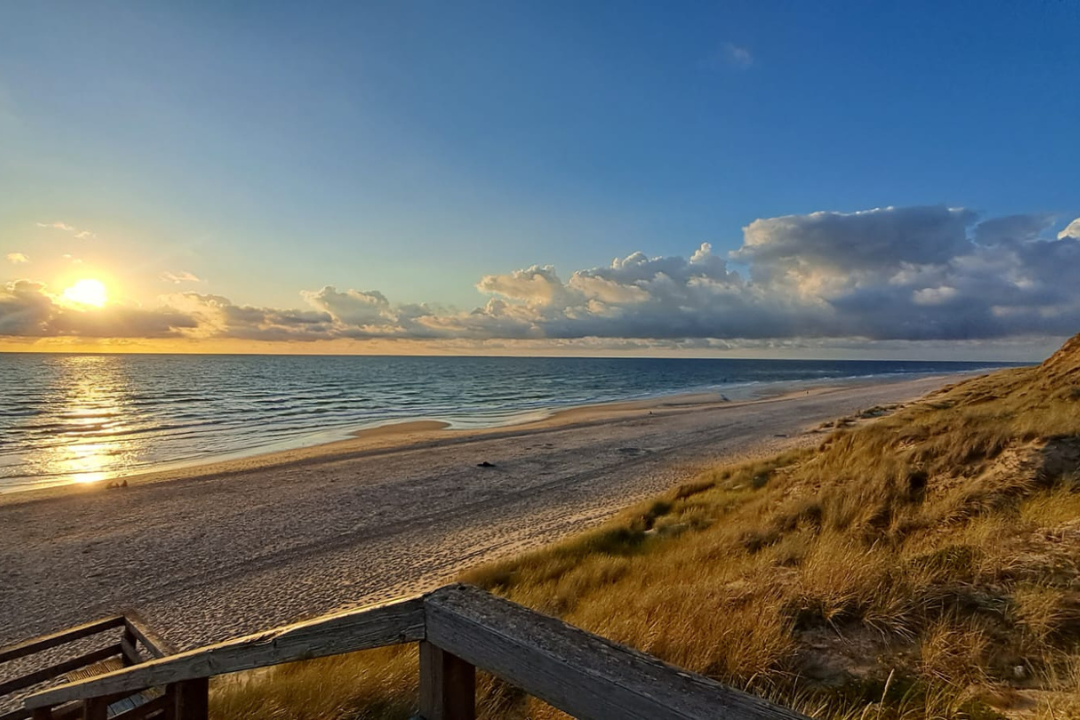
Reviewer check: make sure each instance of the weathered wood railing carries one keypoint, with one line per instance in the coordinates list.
(135, 632)
(459, 628)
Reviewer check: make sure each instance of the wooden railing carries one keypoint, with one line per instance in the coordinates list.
(459, 628)
(135, 633)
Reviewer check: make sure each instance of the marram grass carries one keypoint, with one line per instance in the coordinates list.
(925, 564)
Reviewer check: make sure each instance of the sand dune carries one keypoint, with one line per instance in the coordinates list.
(218, 550)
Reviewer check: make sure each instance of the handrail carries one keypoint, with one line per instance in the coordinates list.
(582, 674)
(155, 644)
(45, 642)
(135, 631)
(58, 669)
(372, 627)
(459, 628)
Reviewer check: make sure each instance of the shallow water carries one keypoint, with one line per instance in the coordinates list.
(87, 418)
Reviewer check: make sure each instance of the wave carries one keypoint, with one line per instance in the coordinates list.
(151, 411)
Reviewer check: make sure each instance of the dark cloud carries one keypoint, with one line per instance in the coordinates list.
(867, 242)
(1012, 229)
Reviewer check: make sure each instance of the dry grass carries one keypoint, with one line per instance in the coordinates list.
(926, 564)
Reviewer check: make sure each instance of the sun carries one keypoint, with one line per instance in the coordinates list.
(87, 292)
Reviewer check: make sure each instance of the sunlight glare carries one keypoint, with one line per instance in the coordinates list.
(87, 292)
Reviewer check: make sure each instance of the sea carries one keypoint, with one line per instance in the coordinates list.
(95, 418)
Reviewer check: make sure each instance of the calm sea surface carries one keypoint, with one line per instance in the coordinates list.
(85, 418)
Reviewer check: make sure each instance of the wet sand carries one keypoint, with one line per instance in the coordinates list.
(214, 551)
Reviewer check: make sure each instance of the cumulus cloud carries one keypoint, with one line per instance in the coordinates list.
(1072, 230)
(1012, 228)
(179, 277)
(353, 307)
(915, 274)
(17, 258)
(215, 316)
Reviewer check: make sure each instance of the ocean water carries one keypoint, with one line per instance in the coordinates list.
(88, 418)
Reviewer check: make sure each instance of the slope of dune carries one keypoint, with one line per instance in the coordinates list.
(920, 562)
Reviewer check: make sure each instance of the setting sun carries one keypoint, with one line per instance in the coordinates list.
(87, 292)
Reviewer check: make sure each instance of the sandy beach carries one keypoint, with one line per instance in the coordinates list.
(213, 551)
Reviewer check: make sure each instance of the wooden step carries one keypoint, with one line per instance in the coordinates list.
(100, 668)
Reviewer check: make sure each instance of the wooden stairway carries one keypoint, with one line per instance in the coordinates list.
(79, 653)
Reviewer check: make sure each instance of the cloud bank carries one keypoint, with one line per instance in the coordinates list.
(887, 274)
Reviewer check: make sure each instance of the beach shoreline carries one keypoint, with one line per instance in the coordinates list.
(220, 550)
(397, 434)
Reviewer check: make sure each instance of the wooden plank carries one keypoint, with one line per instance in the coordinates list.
(44, 642)
(57, 670)
(20, 714)
(141, 712)
(378, 626)
(580, 673)
(128, 651)
(121, 706)
(154, 643)
(99, 668)
(447, 685)
(193, 699)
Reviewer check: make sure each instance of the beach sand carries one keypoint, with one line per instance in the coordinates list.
(214, 551)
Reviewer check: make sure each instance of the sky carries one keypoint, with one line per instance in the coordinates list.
(783, 179)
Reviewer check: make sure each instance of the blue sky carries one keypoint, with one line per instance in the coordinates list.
(414, 147)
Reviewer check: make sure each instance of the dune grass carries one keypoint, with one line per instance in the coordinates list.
(921, 564)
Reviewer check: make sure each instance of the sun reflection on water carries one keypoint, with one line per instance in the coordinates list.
(92, 403)
(85, 462)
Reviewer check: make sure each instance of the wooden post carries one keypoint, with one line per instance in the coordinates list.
(170, 703)
(128, 648)
(96, 709)
(193, 699)
(447, 685)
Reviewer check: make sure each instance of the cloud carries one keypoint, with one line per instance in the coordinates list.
(805, 248)
(353, 307)
(179, 277)
(1012, 228)
(215, 316)
(18, 258)
(1072, 230)
(890, 275)
(738, 56)
(58, 225)
(28, 309)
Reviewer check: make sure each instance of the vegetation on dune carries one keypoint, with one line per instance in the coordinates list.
(922, 564)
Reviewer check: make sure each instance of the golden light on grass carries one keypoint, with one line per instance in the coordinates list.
(87, 291)
(920, 564)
